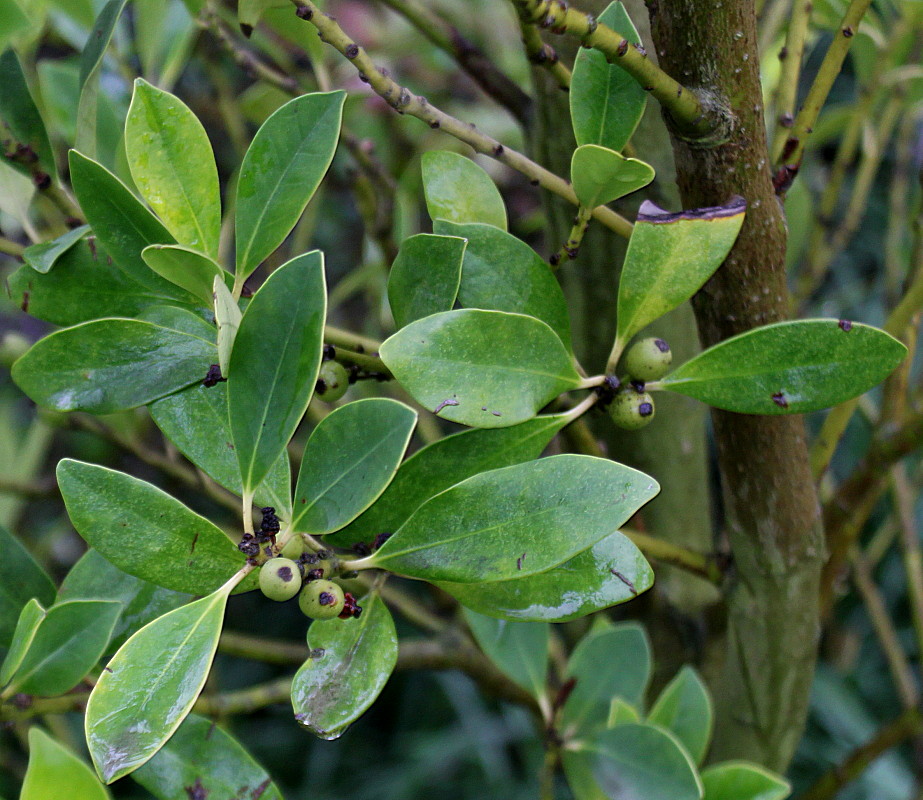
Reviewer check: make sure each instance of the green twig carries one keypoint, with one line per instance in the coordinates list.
(10, 248)
(571, 247)
(544, 55)
(704, 566)
(791, 57)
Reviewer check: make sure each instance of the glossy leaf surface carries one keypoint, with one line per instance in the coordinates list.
(42, 257)
(737, 780)
(150, 684)
(202, 753)
(173, 166)
(486, 369)
(600, 175)
(185, 267)
(20, 116)
(55, 773)
(27, 624)
(21, 579)
(111, 364)
(502, 273)
(458, 190)
(348, 462)
(145, 532)
(228, 317)
(606, 103)
(424, 277)
(789, 367)
(281, 170)
(519, 649)
(351, 661)
(274, 363)
(684, 708)
(611, 571)
(516, 521)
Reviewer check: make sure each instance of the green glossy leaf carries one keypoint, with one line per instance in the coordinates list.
(516, 521)
(609, 662)
(54, 773)
(173, 166)
(738, 780)
(94, 578)
(348, 462)
(684, 708)
(111, 364)
(486, 369)
(180, 320)
(606, 103)
(121, 223)
(13, 21)
(600, 175)
(789, 367)
(228, 316)
(274, 363)
(448, 461)
(203, 753)
(636, 760)
(21, 579)
(150, 685)
(502, 273)
(621, 712)
(196, 421)
(281, 170)
(611, 571)
(42, 257)
(21, 123)
(424, 277)
(578, 768)
(68, 642)
(185, 267)
(669, 258)
(145, 532)
(26, 627)
(458, 190)
(350, 663)
(519, 649)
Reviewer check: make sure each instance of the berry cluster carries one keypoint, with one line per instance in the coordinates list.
(630, 406)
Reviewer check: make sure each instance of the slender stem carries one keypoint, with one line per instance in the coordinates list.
(247, 511)
(257, 648)
(699, 564)
(412, 610)
(905, 500)
(571, 247)
(791, 57)
(544, 55)
(10, 248)
(402, 100)
(245, 701)
(366, 362)
(352, 341)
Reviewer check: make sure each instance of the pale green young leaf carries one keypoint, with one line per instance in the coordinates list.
(621, 712)
(185, 267)
(55, 773)
(458, 190)
(684, 707)
(738, 780)
(27, 624)
(516, 521)
(350, 663)
(173, 166)
(150, 685)
(21, 579)
(164, 37)
(228, 316)
(600, 175)
(42, 257)
(424, 277)
(789, 367)
(486, 369)
(274, 364)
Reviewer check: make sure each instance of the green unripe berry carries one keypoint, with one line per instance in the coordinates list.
(293, 548)
(632, 410)
(332, 381)
(321, 600)
(648, 359)
(280, 579)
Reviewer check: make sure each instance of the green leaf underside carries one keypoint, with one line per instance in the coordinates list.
(111, 364)
(281, 170)
(789, 367)
(600, 175)
(348, 462)
(448, 461)
(684, 708)
(458, 190)
(350, 664)
(203, 753)
(26, 627)
(424, 277)
(186, 416)
(94, 578)
(611, 571)
(669, 258)
(516, 521)
(519, 649)
(609, 662)
(486, 369)
(121, 224)
(67, 643)
(19, 116)
(185, 267)
(21, 579)
(737, 780)
(173, 166)
(274, 363)
(606, 103)
(42, 257)
(502, 273)
(150, 685)
(145, 532)
(638, 760)
(228, 317)
(54, 773)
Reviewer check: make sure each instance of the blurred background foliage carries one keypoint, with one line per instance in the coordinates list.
(854, 218)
